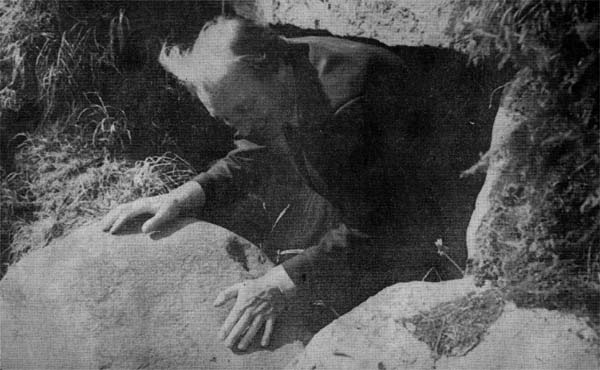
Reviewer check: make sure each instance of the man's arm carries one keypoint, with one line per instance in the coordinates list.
(186, 200)
(229, 176)
(332, 262)
(224, 180)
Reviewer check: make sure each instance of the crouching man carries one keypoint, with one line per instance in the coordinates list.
(345, 115)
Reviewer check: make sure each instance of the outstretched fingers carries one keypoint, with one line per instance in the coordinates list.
(251, 333)
(109, 220)
(227, 294)
(160, 218)
(119, 222)
(266, 338)
(119, 216)
(239, 328)
(244, 323)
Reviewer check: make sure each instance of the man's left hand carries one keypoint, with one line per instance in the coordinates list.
(257, 304)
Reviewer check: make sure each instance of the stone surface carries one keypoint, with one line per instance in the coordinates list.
(405, 22)
(373, 333)
(373, 336)
(504, 162)
(532, 339)
(99, 301)
(497, 175)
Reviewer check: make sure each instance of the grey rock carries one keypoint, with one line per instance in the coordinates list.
(532, 339)
(99, 301)
(375, 335)
(406, 22)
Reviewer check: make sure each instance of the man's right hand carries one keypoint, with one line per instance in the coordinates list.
(166, 207)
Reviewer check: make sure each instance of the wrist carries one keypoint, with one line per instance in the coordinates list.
(190, 196)
(278, 277)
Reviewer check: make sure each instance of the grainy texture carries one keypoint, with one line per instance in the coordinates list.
(374, 332)
(376, 335)
(409, 22)
(94, 300)
(532, 339)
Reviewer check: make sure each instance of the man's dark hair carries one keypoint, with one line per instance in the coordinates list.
(258, 46)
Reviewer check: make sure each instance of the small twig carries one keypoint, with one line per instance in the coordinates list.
(339, 353)
(481, 32)
(589, 261)
(323, 304)
(494, 91)
(439, 243)
(442, 253)
(427, 274)
(439, 339)
(279, 217)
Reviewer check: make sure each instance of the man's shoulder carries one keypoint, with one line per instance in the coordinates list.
(344, 65)
(335, 46)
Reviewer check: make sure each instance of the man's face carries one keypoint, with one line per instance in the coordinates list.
(249, 105)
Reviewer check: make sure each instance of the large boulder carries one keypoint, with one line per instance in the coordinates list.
(99, 301)
(405, 22)
(500, 161)
(390, 331)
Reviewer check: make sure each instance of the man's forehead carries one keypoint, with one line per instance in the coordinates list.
(235, 88)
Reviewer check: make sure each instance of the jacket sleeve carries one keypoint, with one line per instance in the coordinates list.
(227, 178)
(332, 260)
(361, 196)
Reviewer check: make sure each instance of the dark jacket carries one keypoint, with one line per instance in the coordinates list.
(356, 156)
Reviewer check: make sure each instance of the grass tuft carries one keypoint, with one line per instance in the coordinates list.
(454, 328)
(540, 242)
(84, 110)
(65, 181)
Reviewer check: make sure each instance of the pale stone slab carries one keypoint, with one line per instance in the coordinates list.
(404, 22)
(536, 339)
(99, 301)
(375, 335)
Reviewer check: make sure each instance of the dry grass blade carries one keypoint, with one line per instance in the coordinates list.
(454, 328)
(68, 183)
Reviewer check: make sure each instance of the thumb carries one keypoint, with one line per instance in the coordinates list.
(162, 216)
(227, 294)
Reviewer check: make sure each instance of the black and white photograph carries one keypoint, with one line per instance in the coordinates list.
(299, 184)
